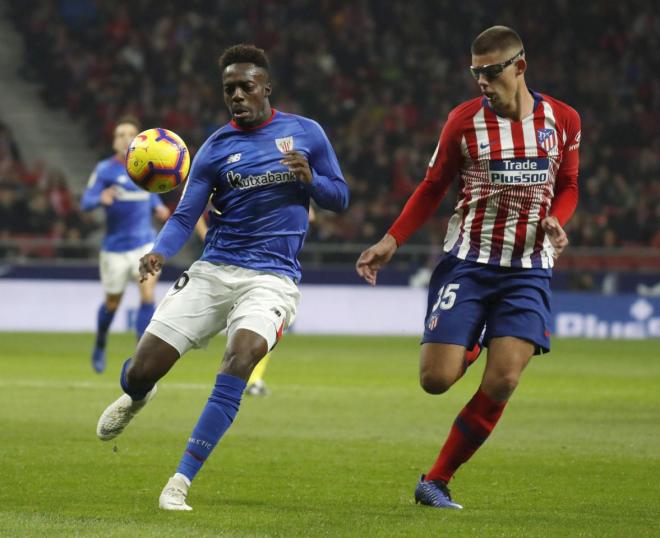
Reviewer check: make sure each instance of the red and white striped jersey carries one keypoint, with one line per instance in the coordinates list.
(512, 175)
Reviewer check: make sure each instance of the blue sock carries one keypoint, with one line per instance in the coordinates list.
(219, 413)
(135, 394)
(144, 314)
(103, 321)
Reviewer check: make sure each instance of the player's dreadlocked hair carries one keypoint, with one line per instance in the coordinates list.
(244, 54)
(496, 38)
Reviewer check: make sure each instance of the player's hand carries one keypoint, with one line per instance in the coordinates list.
(150, 264)
(556, 234)
(375, 257)
(108, 196)
(297, 163)
(162, 213)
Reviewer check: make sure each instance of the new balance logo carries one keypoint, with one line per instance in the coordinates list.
(234, 158)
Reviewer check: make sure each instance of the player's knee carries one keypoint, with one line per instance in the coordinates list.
(503, 386)
(433, 383)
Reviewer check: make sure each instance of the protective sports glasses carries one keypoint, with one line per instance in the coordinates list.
(492, 71)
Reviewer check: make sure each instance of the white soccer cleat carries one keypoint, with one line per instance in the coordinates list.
(173, 496)
(118, 414)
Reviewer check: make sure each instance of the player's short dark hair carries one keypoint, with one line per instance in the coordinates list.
(244, 54)
(496, 38)
(130, 119)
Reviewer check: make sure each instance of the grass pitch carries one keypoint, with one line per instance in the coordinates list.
(336, 449)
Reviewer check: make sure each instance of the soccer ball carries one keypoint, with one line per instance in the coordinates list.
(157, 160)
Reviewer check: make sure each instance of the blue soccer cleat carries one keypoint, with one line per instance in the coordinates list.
(434, 493)
(98, 360)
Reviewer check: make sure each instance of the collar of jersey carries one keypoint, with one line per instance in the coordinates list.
(537, 99)
(262, 124)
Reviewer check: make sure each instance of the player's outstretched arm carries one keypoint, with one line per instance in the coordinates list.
(195, 197)
(556, 234)
(150, 264)
(375, 257)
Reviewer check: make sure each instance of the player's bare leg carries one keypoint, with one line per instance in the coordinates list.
(507, 358)
(147, 305)
(244, 350)
(105, 316)
(153, 359)
(440, 366)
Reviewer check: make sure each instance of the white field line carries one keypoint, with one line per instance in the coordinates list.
(50, 384)
(206, 387)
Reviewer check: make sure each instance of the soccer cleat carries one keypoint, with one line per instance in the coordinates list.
(119, 413)
(173, 496)
(98, 360)
(258, 388)
(434, 493)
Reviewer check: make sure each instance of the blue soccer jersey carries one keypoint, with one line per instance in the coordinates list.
(129, 217)
(259, 210)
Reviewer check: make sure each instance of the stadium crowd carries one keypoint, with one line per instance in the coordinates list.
(37, 203)
(380, 77)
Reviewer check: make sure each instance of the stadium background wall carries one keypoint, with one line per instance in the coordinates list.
(37, 305)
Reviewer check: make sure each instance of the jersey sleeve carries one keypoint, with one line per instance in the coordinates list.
(566, 186)
(443, 168)
(328, 188)
(174, 234)
(91, 198)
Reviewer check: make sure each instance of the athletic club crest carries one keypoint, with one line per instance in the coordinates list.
(284, 144)
(547, 138)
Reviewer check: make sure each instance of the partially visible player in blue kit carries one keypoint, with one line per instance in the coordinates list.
(129, 235)
(260, 172)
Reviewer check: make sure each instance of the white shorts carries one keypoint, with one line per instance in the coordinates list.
(208, 298)
(118, 268)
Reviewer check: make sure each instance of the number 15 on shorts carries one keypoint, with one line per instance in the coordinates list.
(446, 297)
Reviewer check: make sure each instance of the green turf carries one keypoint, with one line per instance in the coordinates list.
(336, 449)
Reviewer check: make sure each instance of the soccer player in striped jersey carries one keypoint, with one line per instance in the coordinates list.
(260, 170)
(515, 154)
(129, 235)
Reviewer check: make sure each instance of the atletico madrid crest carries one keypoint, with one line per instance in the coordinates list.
(547, 138)
(433, 323)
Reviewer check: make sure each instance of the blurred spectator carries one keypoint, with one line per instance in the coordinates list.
(35, 204)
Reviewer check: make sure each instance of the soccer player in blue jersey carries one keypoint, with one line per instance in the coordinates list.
(129, 235)
(260, 172)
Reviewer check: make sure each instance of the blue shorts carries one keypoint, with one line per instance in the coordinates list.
(510, 301)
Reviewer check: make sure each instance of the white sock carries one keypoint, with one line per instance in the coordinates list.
(183, 477)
